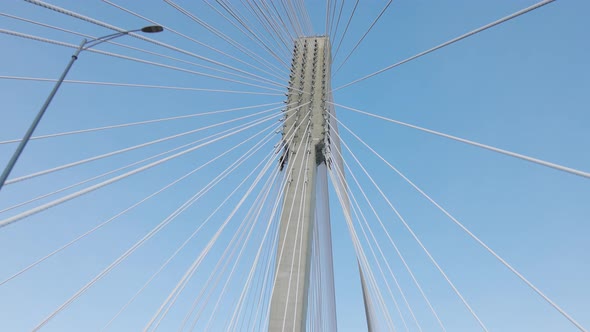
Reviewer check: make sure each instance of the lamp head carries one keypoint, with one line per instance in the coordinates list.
(152, 29)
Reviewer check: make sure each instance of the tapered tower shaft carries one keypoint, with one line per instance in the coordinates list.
(305, 129)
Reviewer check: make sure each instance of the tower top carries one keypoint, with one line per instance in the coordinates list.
(309, 88)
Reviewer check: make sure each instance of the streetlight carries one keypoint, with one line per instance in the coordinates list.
(86, 44)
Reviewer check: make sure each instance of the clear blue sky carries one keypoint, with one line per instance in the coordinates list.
(521, 86)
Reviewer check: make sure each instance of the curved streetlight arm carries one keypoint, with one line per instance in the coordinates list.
(93, 42)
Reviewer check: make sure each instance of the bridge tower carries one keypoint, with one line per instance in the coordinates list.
(305, 163)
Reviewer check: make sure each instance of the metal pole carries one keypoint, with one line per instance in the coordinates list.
(29, 132)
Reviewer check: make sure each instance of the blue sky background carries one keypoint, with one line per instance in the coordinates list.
(521, 86)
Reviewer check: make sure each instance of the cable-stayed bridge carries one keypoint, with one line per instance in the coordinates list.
(290, 165)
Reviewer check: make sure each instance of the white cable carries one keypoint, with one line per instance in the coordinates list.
(255, 219)
(361, 255)
(238, 236)
(339, 188)
(333, 9)
(377, 244)
(216, 180)
(168, 29)
(358, 211)
(471, 33)
(197, 299)
(121, 213)
(46, 206)
(256, 260)
(267, 276)
(124, 167)
(133, 85)
(135, 147)
(278, 199)
(224, 174)
(226, 262)
(407, 267)
(247, 75)
(280, 23)
(299, 229)
(136, 35)
(338, 20)
(434, 262)
(253, 32)
(346, 29)
(289, 173)
(116, 55)
(123, 125)
(132, 249)
(473, 143)
(296, 18)
(363, 37)
(473, 236)
(270, 13)
(284, 143)
(327, 28)
(253, 267)
(205, 251)
(268, 24)
(299, 225)
(216, 31)
(246, 25)
(297, 181)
